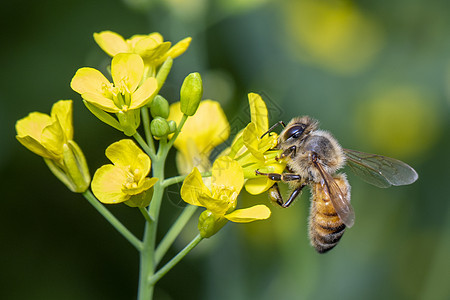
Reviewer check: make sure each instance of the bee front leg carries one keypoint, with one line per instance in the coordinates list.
(274, 191)
(285, 177)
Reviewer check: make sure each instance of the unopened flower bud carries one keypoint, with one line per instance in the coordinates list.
(172, 126)
(159, 127)
(209, 224)
(191, 93)
(159, 107)
(72, 170)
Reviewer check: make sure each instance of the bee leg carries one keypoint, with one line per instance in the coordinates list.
(271, 176)
(289, 151)
(280, 177)
(275, 195)
(293, 195)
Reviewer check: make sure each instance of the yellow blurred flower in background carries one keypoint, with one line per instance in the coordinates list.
(401, 121)
(335, 35)
(201, 133)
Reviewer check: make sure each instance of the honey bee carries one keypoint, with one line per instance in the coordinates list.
(313, 158)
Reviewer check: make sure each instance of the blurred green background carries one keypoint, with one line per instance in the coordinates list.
(375, 73)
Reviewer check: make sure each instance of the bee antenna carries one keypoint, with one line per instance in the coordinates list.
(273, 127)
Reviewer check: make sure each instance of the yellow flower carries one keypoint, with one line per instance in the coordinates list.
(52, 138)
(220, 201)
(253, 152)
(126, 177)
(45, 135)
(152, 48)
(200, 135)
(123, 97)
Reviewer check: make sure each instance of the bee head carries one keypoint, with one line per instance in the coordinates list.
(298, 128)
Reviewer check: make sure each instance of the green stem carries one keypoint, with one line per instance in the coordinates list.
(147, 263)
(113, 220)
(176, 179)
(146, 125)
(146, 215)
(173, 180)
(144, 146)
(147, 258)
(173, 232)
(177, 132)
(163, 271)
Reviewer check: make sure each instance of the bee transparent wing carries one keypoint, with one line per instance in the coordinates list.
(340, 203)
(379, 170)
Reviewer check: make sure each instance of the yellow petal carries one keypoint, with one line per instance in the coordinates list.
(254, 213)
(32, 125)
(217, 206)
(227, 173)
(143, 186)
(107, 184)
(237, 146)
(150, 48)
(258, 113)
(29, 133)
(193, 187)
(251, 140)
(156, 36)
(101, 102)
(36, 147)
(206, 130)
(190, 158)
(179, 48)
(111, 42)
(125, 153)
(89, 80)
(62, 110)
(260, 184)
(53, 138)
(256, 186)
(127, 71)
(143, 93)
(134, 40)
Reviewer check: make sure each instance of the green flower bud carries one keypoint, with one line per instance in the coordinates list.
(129, 121)
(191, 93)
(77, 166)
(159, 107)
(159, 127)
(163, 72)
(172, 126)
(209, 224)
(73, 172)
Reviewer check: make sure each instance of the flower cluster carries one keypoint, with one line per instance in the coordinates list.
(127, 98)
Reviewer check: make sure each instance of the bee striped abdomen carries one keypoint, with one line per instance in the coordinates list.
(325, 226)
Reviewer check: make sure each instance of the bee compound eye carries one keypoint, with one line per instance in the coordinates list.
(294, 132)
